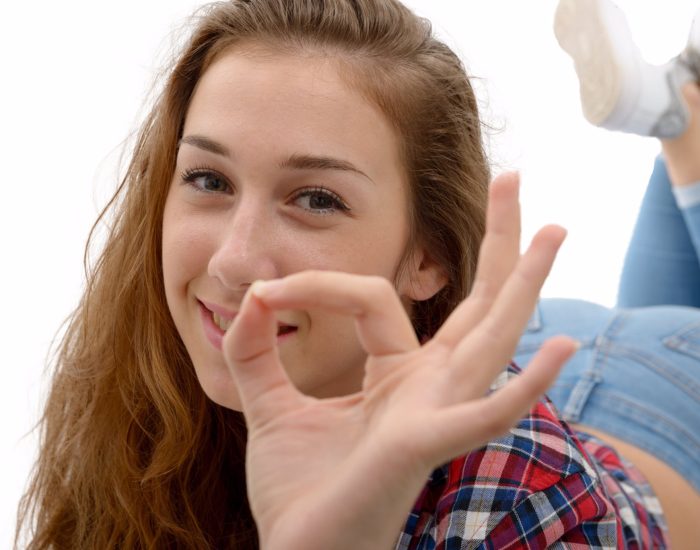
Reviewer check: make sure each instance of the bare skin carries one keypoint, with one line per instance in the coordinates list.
(306, 456)
(679, 500)
(682, 153)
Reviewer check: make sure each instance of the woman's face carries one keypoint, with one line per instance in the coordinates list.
(282, 168)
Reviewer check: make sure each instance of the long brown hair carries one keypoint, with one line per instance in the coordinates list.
(133, 454)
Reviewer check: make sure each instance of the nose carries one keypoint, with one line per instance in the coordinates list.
(246, 246)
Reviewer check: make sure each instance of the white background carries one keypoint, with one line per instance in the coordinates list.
(73, 75)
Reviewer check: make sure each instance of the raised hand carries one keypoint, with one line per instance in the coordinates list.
(344, 472)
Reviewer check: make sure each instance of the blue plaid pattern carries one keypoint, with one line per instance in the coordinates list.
(539, 486)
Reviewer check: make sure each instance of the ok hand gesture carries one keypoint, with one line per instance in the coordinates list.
(344, 472)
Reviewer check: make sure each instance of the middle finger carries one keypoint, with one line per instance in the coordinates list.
(484, 351)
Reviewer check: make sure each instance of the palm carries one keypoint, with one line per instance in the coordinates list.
(358, 462)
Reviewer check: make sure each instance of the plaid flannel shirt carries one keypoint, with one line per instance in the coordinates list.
(540, 486)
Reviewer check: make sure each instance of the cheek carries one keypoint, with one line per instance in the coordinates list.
(186, 251)
(377, 253)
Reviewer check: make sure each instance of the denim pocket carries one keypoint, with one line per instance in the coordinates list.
(686, 340)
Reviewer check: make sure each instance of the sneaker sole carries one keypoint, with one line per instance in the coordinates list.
(582, 31)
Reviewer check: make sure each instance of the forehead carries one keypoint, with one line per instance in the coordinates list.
(291, 103)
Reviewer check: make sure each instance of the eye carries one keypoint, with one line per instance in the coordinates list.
(206, 180)
(320, 201)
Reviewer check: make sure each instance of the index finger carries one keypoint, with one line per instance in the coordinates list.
(382, 323)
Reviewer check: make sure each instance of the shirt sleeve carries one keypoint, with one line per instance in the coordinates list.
(535, 487)
(532, 488)
(573, 513)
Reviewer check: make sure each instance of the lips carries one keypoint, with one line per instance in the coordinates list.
(217, 320)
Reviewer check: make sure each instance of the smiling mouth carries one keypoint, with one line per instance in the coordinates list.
(221, 322)
(224, 324)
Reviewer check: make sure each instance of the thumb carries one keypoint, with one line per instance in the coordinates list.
(251, 354)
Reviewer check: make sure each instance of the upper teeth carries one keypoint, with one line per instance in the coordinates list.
(220, 322)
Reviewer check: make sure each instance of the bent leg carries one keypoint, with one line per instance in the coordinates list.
(661, 266)
(691, 215)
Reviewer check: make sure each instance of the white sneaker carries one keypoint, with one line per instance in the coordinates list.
(690, 57)
(619, 90)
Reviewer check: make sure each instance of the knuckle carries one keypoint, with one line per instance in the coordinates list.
(379, 289)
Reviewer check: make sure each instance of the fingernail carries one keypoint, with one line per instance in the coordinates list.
(263, 289)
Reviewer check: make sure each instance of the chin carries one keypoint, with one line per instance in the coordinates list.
(226, 402)
(220, 389)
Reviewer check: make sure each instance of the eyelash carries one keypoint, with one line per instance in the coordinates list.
(189, 176)
(338, 203)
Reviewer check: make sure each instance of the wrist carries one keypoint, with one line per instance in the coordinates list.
(371, 518)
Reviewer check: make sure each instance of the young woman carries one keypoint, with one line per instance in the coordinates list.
(275, 350)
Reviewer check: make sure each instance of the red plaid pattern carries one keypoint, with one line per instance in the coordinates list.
(539, 486)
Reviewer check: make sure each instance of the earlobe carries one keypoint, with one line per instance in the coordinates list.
(424, 279)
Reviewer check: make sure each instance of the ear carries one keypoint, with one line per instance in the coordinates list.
(423, 278)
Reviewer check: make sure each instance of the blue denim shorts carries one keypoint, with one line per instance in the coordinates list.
(636, 376)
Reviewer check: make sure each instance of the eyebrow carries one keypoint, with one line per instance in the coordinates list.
(311, 162)
(206, 144)
(296, 161)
